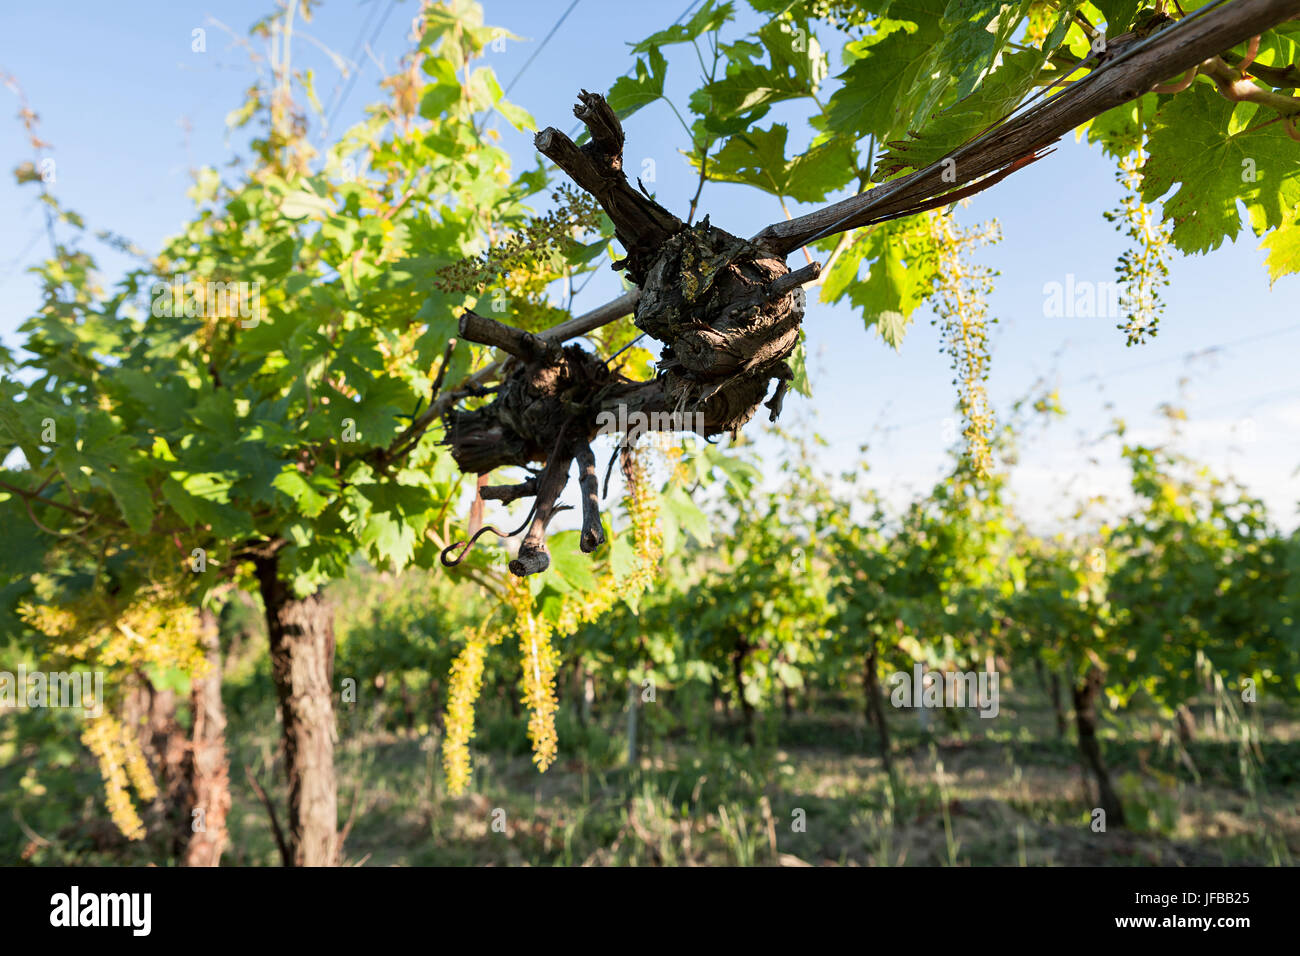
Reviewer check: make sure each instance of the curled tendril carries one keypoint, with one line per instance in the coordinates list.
(463, 548)
(466, 545)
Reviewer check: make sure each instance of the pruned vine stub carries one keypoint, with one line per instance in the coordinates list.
(727, 312)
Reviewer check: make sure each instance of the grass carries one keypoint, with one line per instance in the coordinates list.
(812, 792)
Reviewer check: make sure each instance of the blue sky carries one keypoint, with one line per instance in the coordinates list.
(129, 109)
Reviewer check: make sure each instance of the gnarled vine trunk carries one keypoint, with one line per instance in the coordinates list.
(1054, 688)
(738, 675)
(727, 311)
(151, 713)
(876, 708)
(1186, 723)
(1086, 695)
(192, 772)
(206, 765)
(302, 666)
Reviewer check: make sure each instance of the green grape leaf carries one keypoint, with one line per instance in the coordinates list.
(898, 280)
(757, 158)
(1283, 245)
(749, 89)
(295, 484)
(687, 515)
(1119, 131)
(389, 537)
(965, 119)
(709, 17)
(643, 87)
(300, 204)
(574, 568)
(131, 493)
(443, 92)
(1211, 170)
(1119, 14)
(896, 77)
(516, 116)
(799, 366)
(976, 33)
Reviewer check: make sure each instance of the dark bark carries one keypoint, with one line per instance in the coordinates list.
(191, 770)
(1186, 724)
(508, 493)
(152, 713)
(1057, 707)
(728, 316)
(641, 225)
(633, 706)
(302, 666)
(738, 675)
(408, 703)
(533, 556)
(876, 709)
(593, 535)
(435, 702)
(715, 375)
(1086, 696)
(522, 345)
(539, 405)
